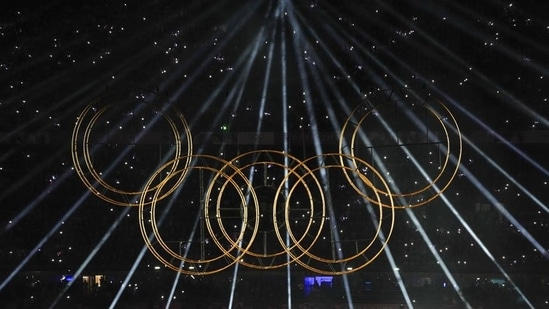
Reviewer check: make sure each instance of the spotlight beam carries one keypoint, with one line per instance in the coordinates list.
(335, 124)
(236, 23)
(427, 240)
(185, 254)
(517, 104)
(130, 274)
(333, 119)
(36, 201)
(419, 227)
(125, 66)
(249, 55)
(383, 240)
(122, 70)
(438, 258)
(285, 146)
(259, 125)
(299, 41)
(484, 248)
(457, 22)
(469, 114)
(520, 228)
(494, 164)
(486, 127)
(151, 237)
(263, 99)
(238, 90)
(233, 284)
(91, 256)
(45, 239)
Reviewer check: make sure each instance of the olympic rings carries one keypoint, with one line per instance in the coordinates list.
(265, 209)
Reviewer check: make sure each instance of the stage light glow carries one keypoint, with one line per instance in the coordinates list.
(90, 257)
(485, 249)
(41, 243)
(128, 277)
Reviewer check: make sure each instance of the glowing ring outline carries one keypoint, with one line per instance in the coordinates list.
(75, 152)
(277, 194)
(443, 169)
(159, 238)
(363, 251)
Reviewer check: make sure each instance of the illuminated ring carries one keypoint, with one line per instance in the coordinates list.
(361, 254)
(267, 260)
(121, 197)
(196, 263)
(432, 184)
(174, 167)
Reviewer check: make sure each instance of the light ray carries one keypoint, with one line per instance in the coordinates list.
(144, 249)
(90, 256)
(517, 104)
(250, 51)
(185, 254)
(499, 206)
(484, 248)
(122, 70)
(36, 201)
(352, 48)
(424, 235)
(250, 177)
(285, 146)
(299, 42)
(454, 104)
(236, 23)
(336, 125)
(438, 258)
(506, 214)
(41, 243)
(508, 144)
(234, 279)
(262, 103)
(129, 276)
(500, 45)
